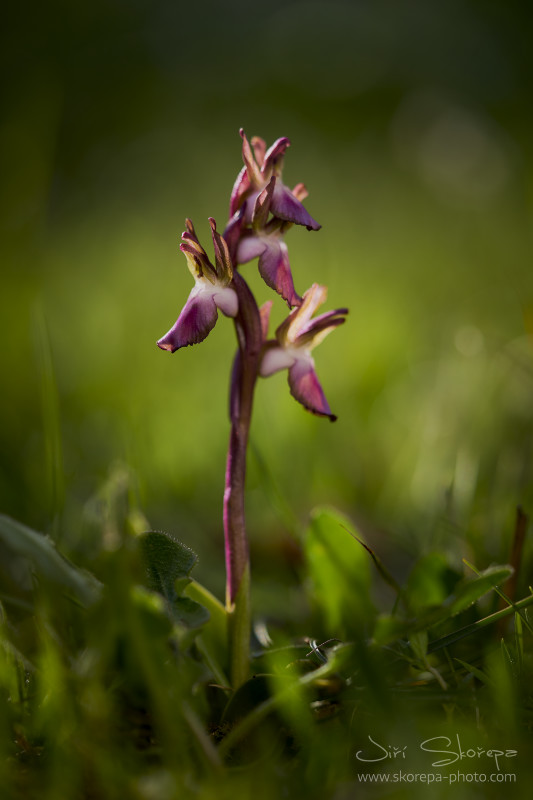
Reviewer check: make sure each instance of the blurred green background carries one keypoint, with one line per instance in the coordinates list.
(411, 124)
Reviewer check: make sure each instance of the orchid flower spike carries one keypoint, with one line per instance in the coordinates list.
(260, 167)
(295, 338)
(212, 291)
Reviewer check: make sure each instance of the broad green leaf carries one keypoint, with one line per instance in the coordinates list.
(340, 572)
(168, 564)
(46, 562)
(167, 561)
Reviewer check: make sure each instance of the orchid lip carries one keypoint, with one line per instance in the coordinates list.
(199, 315)
(212, 291)
(196, 320)
(306, 388)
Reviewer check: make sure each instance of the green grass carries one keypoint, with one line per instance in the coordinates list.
(368, 620)
(412, 129)
(115, 686)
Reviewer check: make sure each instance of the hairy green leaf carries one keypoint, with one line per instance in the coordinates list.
(168, 564)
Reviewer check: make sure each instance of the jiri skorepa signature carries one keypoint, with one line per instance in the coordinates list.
(451, 749)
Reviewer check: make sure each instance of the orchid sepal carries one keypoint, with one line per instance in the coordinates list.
(212, 291)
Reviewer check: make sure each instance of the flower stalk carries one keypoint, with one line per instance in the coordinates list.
(262, 211)
(243, 380)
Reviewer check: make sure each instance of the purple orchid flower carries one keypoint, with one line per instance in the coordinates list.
(274, 266)
(212, 291)
(295, 338)
(260, 166)
(264, 240)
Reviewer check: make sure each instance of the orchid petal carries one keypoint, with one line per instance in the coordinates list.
(305, 387)
(198, 262)
(191, 238)
(317, 330)
(275, 269)
(259, 147)
(274, 359)
(254, 173)
(196, 320)
(197, 259)
(261, 208)
(249, 247)
(290, 328)
(190, 227)
(224, 268)
(274, 156)
(285, 206)
(300, 192)
(226, 299)
(240, 187)
(264, 312)
(232, 233)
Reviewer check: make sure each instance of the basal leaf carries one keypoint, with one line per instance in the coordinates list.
(45, 561)
(168, 564)
(167, 561)
(189, 612)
